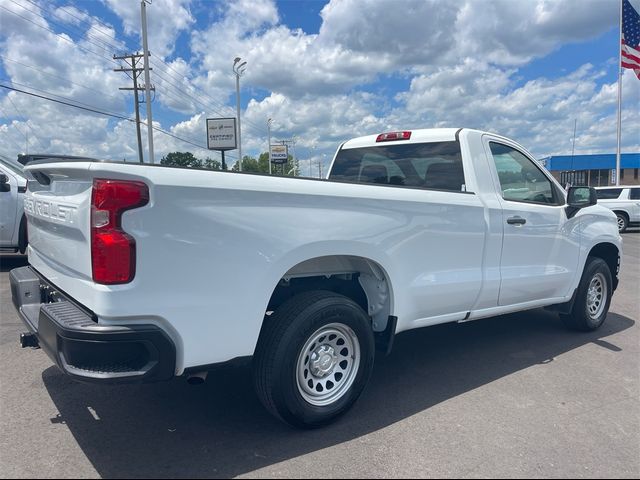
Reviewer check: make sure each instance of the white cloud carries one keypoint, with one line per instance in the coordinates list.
(460, 61)
(540, 114)
(168, 20)
(510, 32)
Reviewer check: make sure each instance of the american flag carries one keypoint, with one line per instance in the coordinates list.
(630, 38)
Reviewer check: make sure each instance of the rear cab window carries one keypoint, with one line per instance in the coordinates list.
(432, 165)
(608, 193)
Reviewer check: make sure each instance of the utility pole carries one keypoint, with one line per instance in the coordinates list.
(239, 68)
(147, 80)
(132, 66)
(573, 148)
(269, 122)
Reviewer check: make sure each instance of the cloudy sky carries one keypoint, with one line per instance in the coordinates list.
(323, 71)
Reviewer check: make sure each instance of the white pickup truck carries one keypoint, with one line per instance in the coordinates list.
(13, 223)
(143, 272)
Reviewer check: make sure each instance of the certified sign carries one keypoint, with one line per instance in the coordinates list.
(279, 154)
(221, 134)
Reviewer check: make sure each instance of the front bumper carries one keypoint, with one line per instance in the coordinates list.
(79, 346)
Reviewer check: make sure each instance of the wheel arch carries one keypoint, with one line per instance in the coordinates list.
(621, 212)
(611, 255)
(357, 277)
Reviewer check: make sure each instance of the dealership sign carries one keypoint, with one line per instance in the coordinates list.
(279, 154)
(221, 134)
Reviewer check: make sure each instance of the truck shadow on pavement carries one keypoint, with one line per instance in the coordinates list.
(219, 429)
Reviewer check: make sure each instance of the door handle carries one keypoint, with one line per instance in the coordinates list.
(516, 220)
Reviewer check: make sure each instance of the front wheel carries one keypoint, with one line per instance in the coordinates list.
(314, 357)
(592, 298)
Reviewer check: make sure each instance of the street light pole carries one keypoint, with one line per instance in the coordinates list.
(239, 68)
(269, 122)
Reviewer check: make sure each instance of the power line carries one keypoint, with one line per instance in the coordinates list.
(114, 47)
(179, 89)
(16, 127)
(59, 77)
(228, 108)
(93, 110)
(85, 21)
(90, 51)
(51, 31)
(76, 102)
(26, 122)
(105, 46)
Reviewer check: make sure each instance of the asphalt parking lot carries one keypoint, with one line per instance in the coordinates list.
(511, 396)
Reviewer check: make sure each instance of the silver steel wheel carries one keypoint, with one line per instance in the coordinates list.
(328, 364)
(620, 223)
(596, 296)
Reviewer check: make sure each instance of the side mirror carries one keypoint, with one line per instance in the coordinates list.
(580, 197)
(4, 183)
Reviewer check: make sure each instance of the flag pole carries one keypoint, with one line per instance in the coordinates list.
(619, 101)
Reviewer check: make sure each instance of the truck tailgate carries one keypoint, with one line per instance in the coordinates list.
(58, 207)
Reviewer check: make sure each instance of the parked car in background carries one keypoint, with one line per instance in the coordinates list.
(13, 223)
(625, 203)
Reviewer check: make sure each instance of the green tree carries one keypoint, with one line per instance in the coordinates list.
(261, 165)
(290, 168)
(263, 162)
(181, 159)
(212, 164)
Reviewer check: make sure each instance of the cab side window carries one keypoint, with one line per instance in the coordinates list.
(634, 194)
(521, 180)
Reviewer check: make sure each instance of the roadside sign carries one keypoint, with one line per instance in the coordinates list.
(613, 176)
(221, 134)
(279, 154)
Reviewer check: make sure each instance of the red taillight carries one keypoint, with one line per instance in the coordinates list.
(391, 136)
(113, 252)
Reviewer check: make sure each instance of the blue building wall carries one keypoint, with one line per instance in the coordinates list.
(591, 162)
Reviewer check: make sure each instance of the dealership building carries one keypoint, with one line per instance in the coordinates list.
(597, 170)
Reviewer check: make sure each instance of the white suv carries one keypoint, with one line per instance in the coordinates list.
(625, 203)
(13, 223)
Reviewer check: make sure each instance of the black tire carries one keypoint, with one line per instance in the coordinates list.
(623, 222)
(276, 361)
(580, 317)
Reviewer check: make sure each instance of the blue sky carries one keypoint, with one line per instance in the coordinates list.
(324, 71)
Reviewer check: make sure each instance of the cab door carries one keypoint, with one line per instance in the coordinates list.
(540, 250)
(8, 207)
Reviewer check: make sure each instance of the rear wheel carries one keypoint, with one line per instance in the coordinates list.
(623, 222)
(314, 357)
(592, 298)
